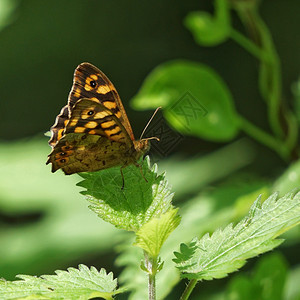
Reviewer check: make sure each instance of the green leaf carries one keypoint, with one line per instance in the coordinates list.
(204, 213)
(267, 282)
(82, 283)
(133, 206)
(153, 234)
(195, 100)
(227, 250)
(7, 12)
(186, 252)
(210, 30)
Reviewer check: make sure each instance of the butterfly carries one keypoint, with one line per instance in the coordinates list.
(92, 132)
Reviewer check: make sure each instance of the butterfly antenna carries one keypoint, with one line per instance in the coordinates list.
(150, 121)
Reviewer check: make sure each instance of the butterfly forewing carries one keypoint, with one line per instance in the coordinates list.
(90, 116)
(90, 82)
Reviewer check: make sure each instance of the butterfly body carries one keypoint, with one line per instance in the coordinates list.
(92, 131)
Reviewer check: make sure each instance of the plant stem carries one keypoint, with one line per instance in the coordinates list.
(151, 266)
(189, 288)
(270, 71)
(152, 287)
(248, 45)
(281, 119)
(264, 138)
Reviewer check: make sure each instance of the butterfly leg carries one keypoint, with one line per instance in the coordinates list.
(123, 180)
(141, 170)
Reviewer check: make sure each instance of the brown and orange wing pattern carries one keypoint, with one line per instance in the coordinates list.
(93, 139)
(90, 82)
(91, 117)
(86, 153)
(58, 128)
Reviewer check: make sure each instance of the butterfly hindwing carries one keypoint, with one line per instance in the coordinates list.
(84, 152)
(58, 128)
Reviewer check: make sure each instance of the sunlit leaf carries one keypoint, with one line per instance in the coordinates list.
(227, 250)
(152, 235)
(142, 198)
(210, 30)
(194, 98)
(82, 283)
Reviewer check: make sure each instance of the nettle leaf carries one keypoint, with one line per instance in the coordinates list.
(186, 252)
(82, 283)
(133, 206)
(210, 30)
(195, 100)
(226, 250)
(153, 234)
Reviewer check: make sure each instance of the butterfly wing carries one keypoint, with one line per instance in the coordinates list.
(86, 153)
(94, 139)
(58, 128)
(91, 117)
(90, 82)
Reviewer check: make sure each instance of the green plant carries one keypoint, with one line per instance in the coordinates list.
(145, 208)
(168, 83)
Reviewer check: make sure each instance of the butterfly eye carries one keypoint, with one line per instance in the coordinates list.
(62, 153)
(90, 113)
(62, 160)
(93, 83)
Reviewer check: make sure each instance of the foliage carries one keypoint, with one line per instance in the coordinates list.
(142, 198)
(227, 250)
(196, 102)
(82, 283)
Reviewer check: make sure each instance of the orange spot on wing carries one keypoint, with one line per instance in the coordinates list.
(87, 87)
(73, 122)
(108, 124)
(77, 93)
(60, 133)
(94, 77)
(103, 89)
(110, 105)
(118, 114)
(91, 124)
(94, 131)
(112, 131)
(102, 114)
(79, 129)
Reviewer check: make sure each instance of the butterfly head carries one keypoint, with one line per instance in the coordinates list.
(141, 147)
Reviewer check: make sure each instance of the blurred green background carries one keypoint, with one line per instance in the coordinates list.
(45, 222)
